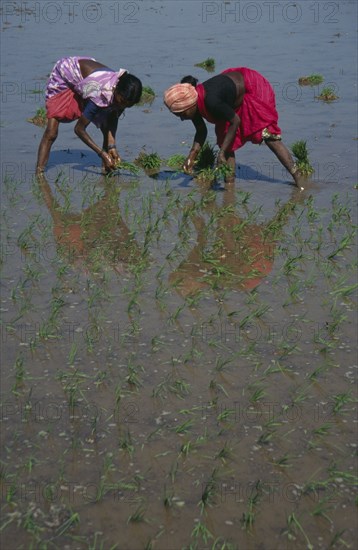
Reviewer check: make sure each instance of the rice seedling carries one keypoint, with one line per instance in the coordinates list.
(340, 400)
(224, 171)
(321, 509)
(73, 520)
(201, 531)
(337, 538)
(323, 430)
(256, 314)
(205, 176)
(97, 544)
(345, 291)
(132, 377)
(217, 388)
(174, 316)
(314, 375)
(311, 80)
(221, 544)
(184, 427)
(348, 477)
(19, 370)
(168, 497)
(225, 415)
(346, 242)
(293, 525)
(187, 448)
(283, 462)
(148, 95)
(149, 161)
(248, 517)
(10, 494)
(179, 387)
(210, 491)
(125, 442)
(206, 158)
(176, 161)
(226, 453)
(266, 437)
(124, 166)
(40, 117)
(29, 522)
(72, 354)
(299, 149)
(327, 94)
(174, 470)
(221, 363)
(208, 64)
(30, 463)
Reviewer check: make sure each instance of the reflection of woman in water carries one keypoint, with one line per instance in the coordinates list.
(239, 255)
(97, 234)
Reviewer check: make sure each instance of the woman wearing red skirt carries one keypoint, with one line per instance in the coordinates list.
(241, 103)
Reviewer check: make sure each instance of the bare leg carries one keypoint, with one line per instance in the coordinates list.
(285, 157)
(46, 143)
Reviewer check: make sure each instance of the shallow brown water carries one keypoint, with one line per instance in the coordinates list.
(179, 363)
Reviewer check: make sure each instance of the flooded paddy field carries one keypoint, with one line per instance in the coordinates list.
(179, 360)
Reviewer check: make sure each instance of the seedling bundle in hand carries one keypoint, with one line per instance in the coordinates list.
(299, 149)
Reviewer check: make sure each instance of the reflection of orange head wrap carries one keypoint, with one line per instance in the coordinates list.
(180, 97)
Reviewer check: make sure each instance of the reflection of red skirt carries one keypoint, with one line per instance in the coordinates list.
(64, 106)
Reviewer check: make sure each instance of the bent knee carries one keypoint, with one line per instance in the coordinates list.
(51, 131)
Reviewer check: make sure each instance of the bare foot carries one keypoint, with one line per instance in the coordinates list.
(300, 180)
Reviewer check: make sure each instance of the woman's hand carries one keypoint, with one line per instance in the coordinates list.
(108, 161)
(115, 156)
(188, 165)
(190, 161)
(221, 158)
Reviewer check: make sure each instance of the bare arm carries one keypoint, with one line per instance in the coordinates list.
(109, 129)
(80, 131)
(229, 138)
(199, 140)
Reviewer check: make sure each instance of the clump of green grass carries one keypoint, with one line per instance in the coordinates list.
(176, 161)
(206, 175)
(128, 166)
(311, 80)
(204, 166)
(206, 157)
(149, 161)
(40, 118)
(208, 64)
(224, 171)
(147, 96)
(327, 94)
(299, 149)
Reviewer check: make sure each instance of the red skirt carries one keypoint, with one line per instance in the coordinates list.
(257, 111)
(65, 106)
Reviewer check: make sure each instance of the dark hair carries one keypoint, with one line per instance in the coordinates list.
(189, 80)
(130, 87)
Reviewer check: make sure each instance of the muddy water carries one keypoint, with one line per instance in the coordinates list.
(178, 363)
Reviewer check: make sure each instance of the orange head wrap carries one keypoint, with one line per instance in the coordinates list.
(180, 97)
